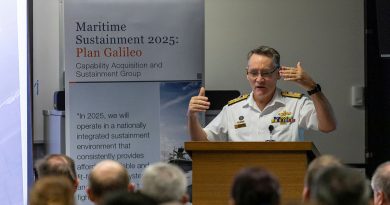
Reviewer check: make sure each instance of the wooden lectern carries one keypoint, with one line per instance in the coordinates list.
(214, 165)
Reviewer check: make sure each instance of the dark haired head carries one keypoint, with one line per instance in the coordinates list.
(255, 186)
(127, 198)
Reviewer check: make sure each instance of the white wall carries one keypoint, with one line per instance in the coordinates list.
(45, 59)
(326, 36)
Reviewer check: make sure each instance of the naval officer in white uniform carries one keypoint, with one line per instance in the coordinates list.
(267, 113)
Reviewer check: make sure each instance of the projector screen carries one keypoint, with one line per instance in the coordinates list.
(14, 143)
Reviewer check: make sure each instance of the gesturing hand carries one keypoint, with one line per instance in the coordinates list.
(198, 103)
(297, 75)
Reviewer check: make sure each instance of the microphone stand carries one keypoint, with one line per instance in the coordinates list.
(270, 128)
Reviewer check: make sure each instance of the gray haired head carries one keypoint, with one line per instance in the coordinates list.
(164, 182)
(340, 186)
(267, 51)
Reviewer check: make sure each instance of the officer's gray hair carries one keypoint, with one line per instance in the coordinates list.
(267, 51)
(164, 182)
(381, 179)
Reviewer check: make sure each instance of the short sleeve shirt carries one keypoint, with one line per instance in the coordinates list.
(243, 120)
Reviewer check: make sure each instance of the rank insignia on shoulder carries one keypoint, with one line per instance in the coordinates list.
(238, 99)
(292, 94)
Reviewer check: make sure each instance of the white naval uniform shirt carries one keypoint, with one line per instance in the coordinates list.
(243, 121)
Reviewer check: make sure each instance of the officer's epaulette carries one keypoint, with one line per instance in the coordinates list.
(238, 99)
(291, 94)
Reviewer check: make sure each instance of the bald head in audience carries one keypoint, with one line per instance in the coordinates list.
(380, 184)
(57, 165)
(315, 166)
(107, 176)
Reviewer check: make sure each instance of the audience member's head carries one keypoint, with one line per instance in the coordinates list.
(165, 183)
(315, 166)
(57, 165)
(380, 184)
(51, 190)
(128, 198)
(339, 186)
(107, 176)
(254, 186)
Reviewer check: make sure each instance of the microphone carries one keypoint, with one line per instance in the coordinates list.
(270, 128)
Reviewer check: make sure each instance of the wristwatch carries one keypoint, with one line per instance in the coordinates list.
(316, 89)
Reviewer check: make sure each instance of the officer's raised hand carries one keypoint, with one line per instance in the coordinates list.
(324, 111)
(297, 75)
(198, 103)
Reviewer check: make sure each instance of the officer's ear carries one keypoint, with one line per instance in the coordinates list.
(246, 73)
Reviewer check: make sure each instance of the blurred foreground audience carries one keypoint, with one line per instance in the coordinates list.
(327, 182)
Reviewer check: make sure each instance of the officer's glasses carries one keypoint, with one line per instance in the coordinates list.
(263, 73)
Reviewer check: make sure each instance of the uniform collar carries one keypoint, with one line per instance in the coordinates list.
(276, 99)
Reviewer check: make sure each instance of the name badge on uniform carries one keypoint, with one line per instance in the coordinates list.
(283, 118)
(240, 123)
